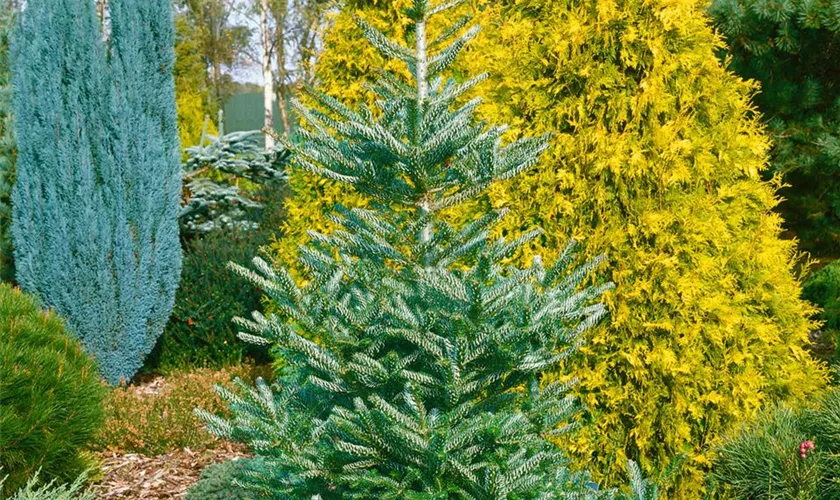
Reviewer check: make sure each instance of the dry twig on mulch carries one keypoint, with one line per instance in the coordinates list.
(165, 477)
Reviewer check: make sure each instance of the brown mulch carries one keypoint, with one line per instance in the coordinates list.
(137, 477)
(132, 476)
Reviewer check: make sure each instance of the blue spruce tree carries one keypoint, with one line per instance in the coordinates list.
(97, 194)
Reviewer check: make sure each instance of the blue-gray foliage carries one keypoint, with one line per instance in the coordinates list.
(214, 203)
(96, 199)
(414, 352)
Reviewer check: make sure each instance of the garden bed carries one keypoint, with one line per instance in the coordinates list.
(132, 476)
(153, 446)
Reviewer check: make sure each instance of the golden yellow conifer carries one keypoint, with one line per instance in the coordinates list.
(656, 159)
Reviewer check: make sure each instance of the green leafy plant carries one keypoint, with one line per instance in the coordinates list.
(50, 394)
(217, 482)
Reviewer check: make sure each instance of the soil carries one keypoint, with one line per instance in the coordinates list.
(164, 477)
(131, 476)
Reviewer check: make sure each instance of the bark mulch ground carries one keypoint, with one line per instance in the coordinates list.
(165, 477)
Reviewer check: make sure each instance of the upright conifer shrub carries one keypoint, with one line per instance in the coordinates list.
(415, 355)
(655, 160)
(98, 187)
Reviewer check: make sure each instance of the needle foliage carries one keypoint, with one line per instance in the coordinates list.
(98, 188)
(655, 159)
(414, 352)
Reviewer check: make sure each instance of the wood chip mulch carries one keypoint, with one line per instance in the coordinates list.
(165, 477)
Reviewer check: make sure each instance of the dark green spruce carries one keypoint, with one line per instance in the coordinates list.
(792, 48)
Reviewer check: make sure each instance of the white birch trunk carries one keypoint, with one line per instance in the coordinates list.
(268, 75)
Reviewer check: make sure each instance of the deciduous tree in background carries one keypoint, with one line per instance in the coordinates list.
(290, 33)
(98, 188)
(268, 74)
(222, 39)
(298, 27)
(193, 87)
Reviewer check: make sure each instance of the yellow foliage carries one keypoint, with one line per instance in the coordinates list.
(191, 84)
(655, 162)
(191, 115)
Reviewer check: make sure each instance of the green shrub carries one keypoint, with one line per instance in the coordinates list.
(823, 289)
(762, 460)
(216, 482)
(200, 332)
(34, 490)
(50, 394)
(770, 458)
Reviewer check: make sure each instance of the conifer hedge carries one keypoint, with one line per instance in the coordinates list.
(656, 160)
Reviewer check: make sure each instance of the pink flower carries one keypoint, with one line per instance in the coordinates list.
(804, 447)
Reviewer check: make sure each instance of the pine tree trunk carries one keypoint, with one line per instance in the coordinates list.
(268, 76)
(422, 91)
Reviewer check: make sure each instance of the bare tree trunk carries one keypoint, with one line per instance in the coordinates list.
(280, 13)
(217, 84)
(100, 11)
(309, 37)
(268, 76)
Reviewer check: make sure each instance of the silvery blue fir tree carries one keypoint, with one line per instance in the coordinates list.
(97, 194)
(414, 355)
(214, 203)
